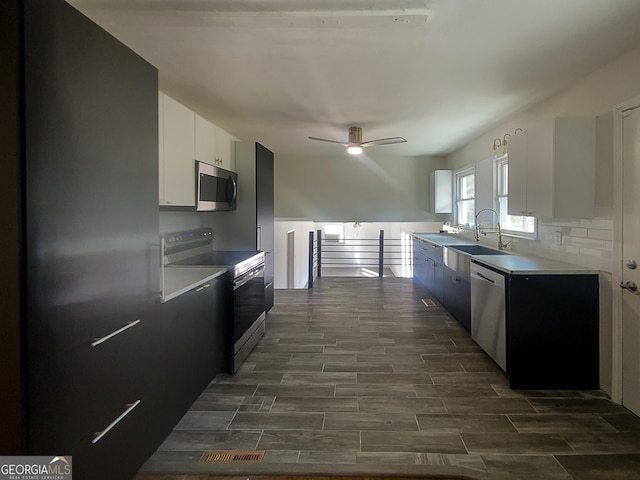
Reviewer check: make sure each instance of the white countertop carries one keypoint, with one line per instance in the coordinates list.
(178, 280)
(511, 263)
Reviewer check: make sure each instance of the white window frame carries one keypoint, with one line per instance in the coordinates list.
(501, 199)
(458, 175)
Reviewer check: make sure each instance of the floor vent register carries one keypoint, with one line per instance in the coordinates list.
(428, 302)
(226, 456)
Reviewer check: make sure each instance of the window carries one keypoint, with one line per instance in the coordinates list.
(334, 232)
(510, 223)
(465, 197)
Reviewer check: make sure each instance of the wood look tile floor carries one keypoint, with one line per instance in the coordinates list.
(358, 375)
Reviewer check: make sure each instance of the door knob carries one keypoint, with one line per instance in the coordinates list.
(631, 264)
(631, 286)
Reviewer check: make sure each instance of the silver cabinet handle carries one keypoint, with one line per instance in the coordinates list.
(631, 286)
(98, 435)
(98, 341)
(206, 285)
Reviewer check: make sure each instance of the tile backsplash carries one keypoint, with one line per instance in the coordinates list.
(586, 242)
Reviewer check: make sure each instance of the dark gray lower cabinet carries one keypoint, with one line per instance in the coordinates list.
(195, 337)
(428, 270)
(118, 376)
(437, 288)
(457, 295)
(422, 270)
(553, 332)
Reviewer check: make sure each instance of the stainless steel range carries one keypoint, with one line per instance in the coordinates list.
(194, 248)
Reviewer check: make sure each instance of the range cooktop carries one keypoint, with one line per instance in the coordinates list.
(220, 258)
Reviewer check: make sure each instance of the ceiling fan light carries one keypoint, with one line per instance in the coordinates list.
(354, 150)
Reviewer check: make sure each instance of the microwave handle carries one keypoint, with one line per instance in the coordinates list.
(235, 191)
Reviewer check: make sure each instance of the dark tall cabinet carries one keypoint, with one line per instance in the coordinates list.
(265, 223)
(84, 115)
(251, 225)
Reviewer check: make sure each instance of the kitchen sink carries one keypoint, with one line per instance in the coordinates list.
(478, 250)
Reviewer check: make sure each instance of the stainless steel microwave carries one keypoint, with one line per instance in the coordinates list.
(216, 188)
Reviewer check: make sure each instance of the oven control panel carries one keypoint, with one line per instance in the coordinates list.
(188, 236)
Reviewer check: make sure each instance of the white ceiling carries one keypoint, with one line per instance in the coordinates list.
(437, 72)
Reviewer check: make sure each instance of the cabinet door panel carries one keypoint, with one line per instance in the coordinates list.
(196, 328)
(553, 343)
(540, 178)
(438, 281)
(161, 194)
(457, 296)
(205, 138)
(552, 169)
(178, 139)
(419, 264)
(575, 152)
(223, 148)
(264, 197)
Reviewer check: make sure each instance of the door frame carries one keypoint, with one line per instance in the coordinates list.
(618, 199)
(291, 256)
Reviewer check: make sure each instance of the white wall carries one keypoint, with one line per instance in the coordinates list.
(368, 187)
(301, 249)
(586, 242)
(178, 221)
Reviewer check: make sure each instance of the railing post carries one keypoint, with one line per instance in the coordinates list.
(310, 283)
(319, 241)
(381, 254)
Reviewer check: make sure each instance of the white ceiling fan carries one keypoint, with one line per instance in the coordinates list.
(355, 143)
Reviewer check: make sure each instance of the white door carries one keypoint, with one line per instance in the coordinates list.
(631, 261)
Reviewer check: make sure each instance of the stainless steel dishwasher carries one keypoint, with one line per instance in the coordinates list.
(488, 312)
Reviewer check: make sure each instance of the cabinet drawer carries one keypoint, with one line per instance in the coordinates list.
(120, 452)
(77, 391)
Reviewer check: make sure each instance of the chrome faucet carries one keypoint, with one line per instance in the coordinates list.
(477, 230)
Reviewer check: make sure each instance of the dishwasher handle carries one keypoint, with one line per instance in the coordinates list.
(485, 278)
(482, 274)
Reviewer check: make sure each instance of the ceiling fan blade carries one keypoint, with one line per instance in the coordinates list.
(383, 141)
(330, 141)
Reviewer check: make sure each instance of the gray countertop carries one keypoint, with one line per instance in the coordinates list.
(521, 265)
(443, 239)
(512, 263)
(178, 280)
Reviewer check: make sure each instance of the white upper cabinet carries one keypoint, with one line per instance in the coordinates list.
(177, 154)
(213, 144)
(441, 191)
(184, 138)
(223, 143)
(552, 169)
(161, 146)
(206, 148)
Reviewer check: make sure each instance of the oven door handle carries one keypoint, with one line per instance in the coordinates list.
(240, 281)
